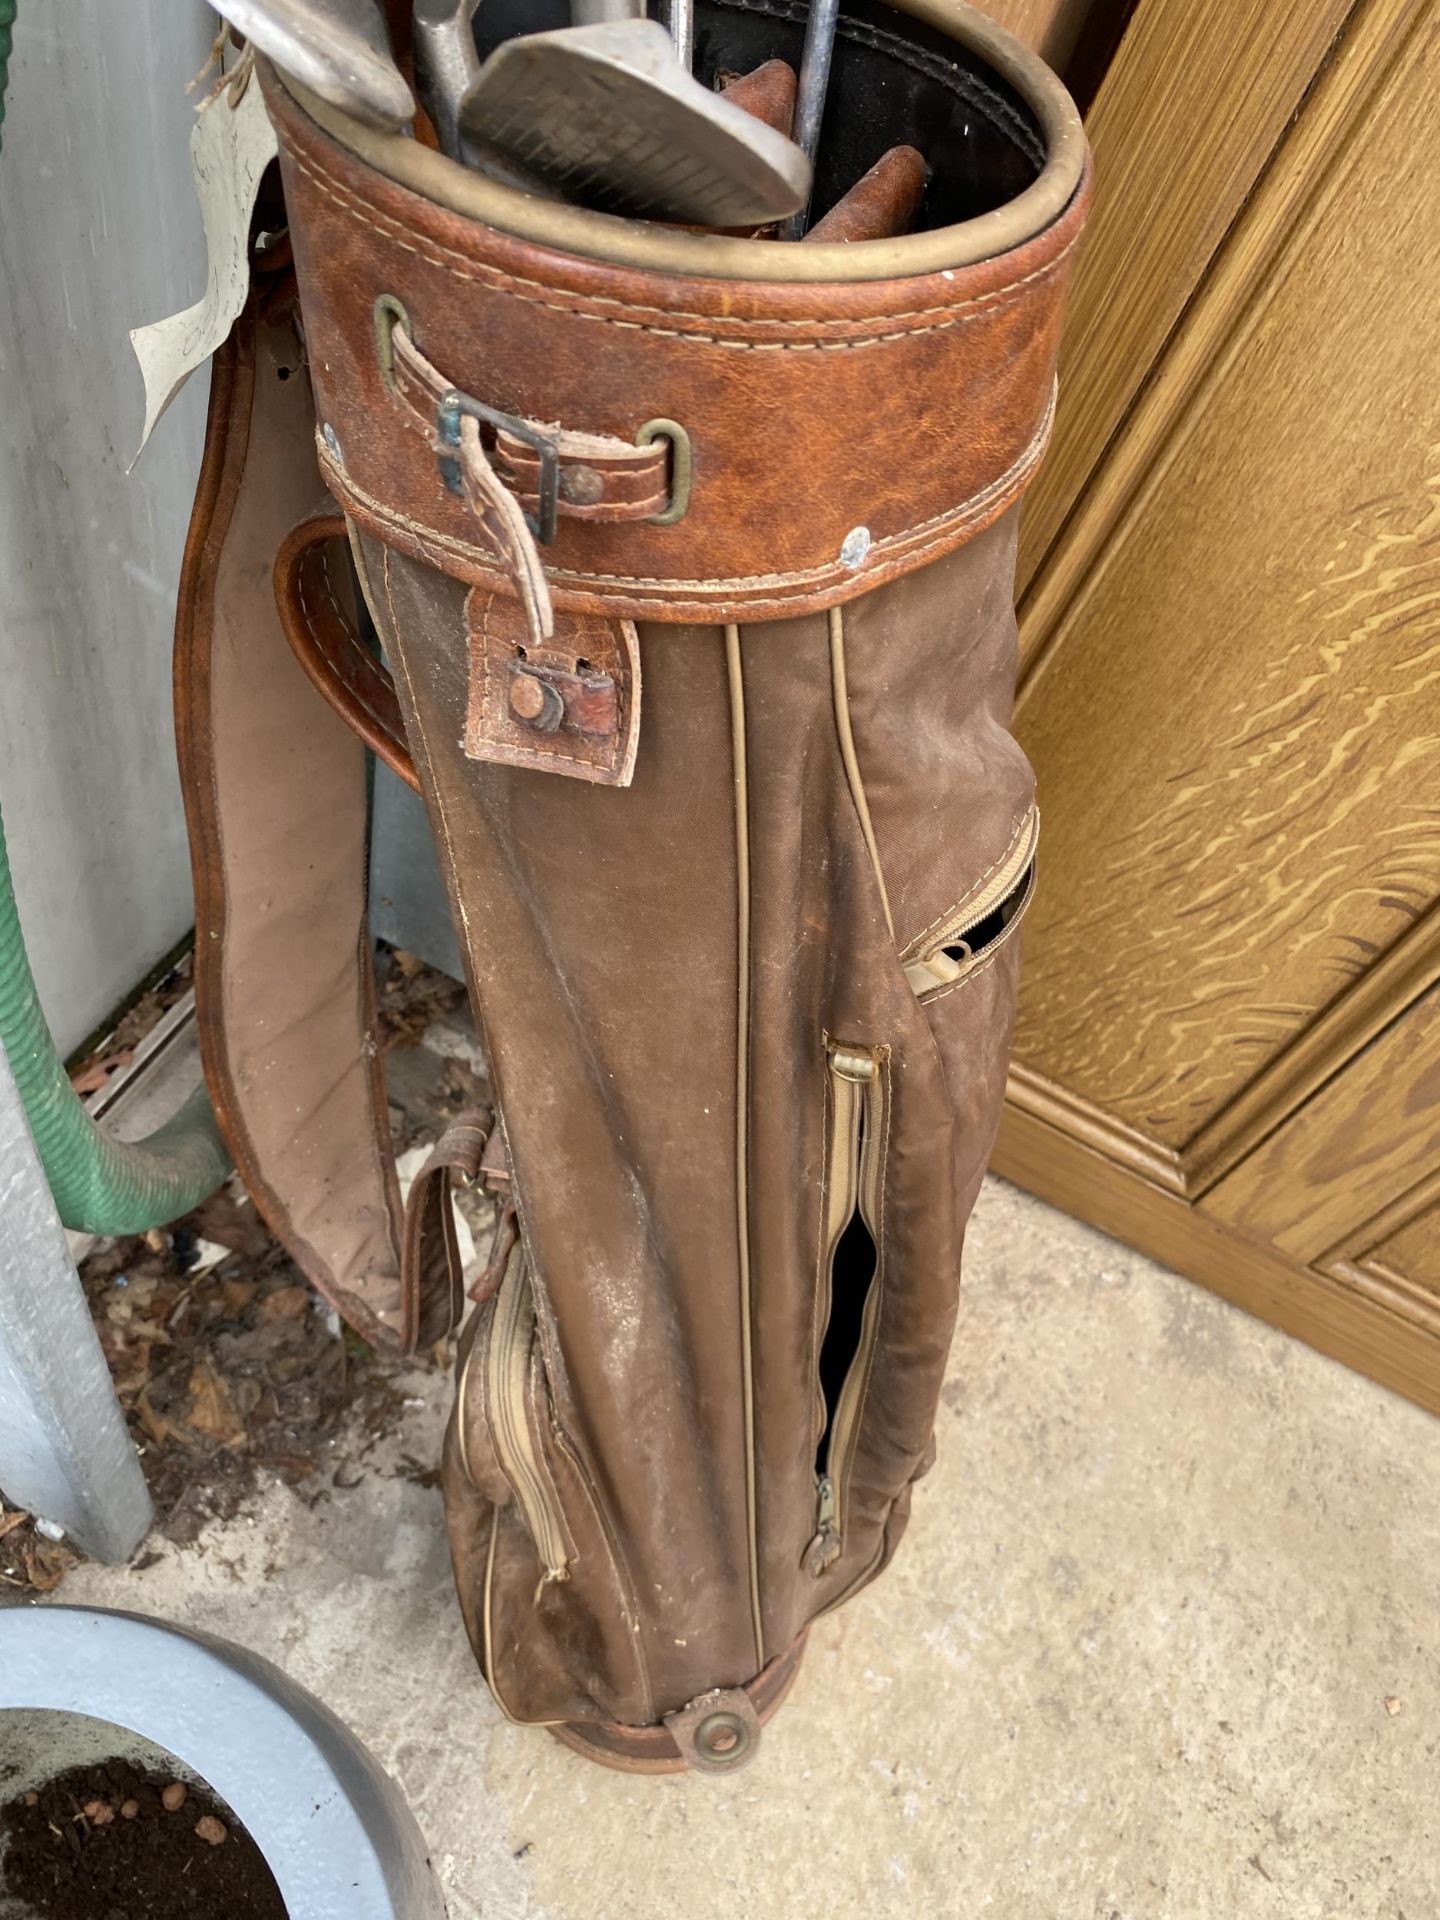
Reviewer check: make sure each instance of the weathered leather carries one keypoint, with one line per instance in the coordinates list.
(326, 642)
(776, 385)
(748, 1015)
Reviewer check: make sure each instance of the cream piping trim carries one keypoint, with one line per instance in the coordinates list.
(849, 755)
(736, 676)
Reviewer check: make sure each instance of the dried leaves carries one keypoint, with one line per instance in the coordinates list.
(118, 1047)
(229, 1368)
(411, 996)
(27, 1559)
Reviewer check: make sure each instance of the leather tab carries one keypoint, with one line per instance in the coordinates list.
(569, 705)
(434, 1285)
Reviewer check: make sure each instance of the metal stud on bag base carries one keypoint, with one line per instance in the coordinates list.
(717, 1733)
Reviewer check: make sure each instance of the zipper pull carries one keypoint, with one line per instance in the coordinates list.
(824, 1550)
(853, 1065)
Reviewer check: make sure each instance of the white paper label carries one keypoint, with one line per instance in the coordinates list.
(230, 147)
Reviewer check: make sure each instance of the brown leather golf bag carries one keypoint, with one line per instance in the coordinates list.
(691, 560)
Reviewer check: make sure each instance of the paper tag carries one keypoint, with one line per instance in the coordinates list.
(230, 147)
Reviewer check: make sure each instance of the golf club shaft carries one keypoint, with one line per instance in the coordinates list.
(680, 19)
(810, 102)
(593, 13)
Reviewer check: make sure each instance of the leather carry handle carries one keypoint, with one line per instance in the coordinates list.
(335, 658)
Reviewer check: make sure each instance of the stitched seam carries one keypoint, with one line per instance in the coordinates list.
(953, 519)
(843, 1493)
(439, 255)
(381, 721)
(538, 756)
(827, 1125)
(970, 892)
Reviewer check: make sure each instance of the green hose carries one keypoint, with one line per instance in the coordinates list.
(100, 1185)
(7, 22)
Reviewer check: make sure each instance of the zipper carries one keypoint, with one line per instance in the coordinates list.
(979, 925)
(853, 1201)
(508, 1354)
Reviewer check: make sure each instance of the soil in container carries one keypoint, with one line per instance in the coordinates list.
(114, 1841)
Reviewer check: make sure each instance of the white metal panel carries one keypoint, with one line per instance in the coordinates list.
(98, 232)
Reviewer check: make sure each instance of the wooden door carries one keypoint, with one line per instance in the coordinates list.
(1228, 1050)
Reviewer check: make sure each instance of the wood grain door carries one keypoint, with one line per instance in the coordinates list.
(1228, 1049)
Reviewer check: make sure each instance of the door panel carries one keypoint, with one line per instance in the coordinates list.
(1237, 726)
(1228, 1050)
(1350, 1151)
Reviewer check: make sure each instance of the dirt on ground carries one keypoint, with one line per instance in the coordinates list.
(229, 1367)
(112, 1841)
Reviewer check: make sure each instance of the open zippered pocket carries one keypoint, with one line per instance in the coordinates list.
(495, 1396)
(849, 1308)
(946, 954)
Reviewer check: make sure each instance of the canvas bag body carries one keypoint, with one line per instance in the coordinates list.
(737, 841)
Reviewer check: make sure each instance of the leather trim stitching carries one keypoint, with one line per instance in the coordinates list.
(953, 519)
(302, 577)
(541, 757)
(958, 313)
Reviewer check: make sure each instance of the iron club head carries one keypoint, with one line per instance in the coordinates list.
(605, 116)
(337, 48)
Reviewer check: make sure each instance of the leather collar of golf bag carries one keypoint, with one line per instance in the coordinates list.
(760, 997)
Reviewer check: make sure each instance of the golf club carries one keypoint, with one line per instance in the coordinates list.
(810, 102)
(606, 116)
(337, 48)
(446, 64)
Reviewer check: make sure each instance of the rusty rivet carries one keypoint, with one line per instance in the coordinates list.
(535, 704)
(581, 486)
(527, 697)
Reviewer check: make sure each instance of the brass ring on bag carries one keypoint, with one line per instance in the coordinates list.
(682, 467)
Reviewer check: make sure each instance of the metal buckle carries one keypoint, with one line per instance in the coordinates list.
(453, 407)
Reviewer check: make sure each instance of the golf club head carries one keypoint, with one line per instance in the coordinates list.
(446, 63)
(606, 117)
(337, 48)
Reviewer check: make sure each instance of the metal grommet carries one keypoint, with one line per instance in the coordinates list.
(723, 1738)
(387, 314)
(682, 466)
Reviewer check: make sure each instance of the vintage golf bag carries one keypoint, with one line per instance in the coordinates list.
(690, 556)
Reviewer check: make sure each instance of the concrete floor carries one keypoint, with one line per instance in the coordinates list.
(1161, 1645)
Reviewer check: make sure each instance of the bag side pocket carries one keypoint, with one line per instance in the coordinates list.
(947, 953)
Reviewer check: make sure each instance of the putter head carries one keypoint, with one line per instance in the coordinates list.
(447, 64)
(606, 117)
(337, 48)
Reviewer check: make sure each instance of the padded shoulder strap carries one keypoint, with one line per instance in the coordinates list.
(274, 786)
